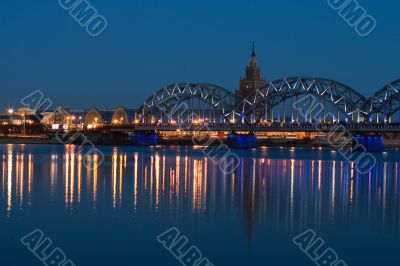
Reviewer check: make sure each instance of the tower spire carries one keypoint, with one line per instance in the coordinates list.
(253, 60)
(253, 51)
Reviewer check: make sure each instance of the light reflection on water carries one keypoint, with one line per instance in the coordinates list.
(282, 194)
(310, 192)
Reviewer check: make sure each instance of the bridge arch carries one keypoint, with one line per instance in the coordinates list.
(187, 103)
(346, 103)
(385, 103)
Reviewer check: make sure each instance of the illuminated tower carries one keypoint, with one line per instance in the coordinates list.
(253, 79)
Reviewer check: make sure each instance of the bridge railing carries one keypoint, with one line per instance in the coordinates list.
(245, 127)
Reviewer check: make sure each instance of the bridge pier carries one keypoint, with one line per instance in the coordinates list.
(144, 138)
(368, 142)
(242, 141)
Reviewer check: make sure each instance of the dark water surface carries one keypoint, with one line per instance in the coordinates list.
(112, 214)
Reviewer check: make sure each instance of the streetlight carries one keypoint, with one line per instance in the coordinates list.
(10, 112)
(24, 126)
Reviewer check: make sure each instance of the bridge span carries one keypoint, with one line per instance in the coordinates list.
(250, 128)
(287, 100)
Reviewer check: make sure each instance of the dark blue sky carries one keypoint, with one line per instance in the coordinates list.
(149, 44)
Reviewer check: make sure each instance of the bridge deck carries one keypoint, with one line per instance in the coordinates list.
(225, 128)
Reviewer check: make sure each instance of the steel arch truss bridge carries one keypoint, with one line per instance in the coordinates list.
(185, 103)
(275, 102)
(385, 103)
(287, 100)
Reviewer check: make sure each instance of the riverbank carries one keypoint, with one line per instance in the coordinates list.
(28, 140)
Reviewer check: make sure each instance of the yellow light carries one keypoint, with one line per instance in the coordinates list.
(10, 111)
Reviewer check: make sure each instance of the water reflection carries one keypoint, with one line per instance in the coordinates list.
(284, 194)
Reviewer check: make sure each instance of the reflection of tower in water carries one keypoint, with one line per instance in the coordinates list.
(251, 191)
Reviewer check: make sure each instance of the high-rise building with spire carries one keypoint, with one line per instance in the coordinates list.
(253, 79)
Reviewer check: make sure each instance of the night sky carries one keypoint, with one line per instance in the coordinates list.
(149, 44)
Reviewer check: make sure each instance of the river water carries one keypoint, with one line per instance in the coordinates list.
(112, 213)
